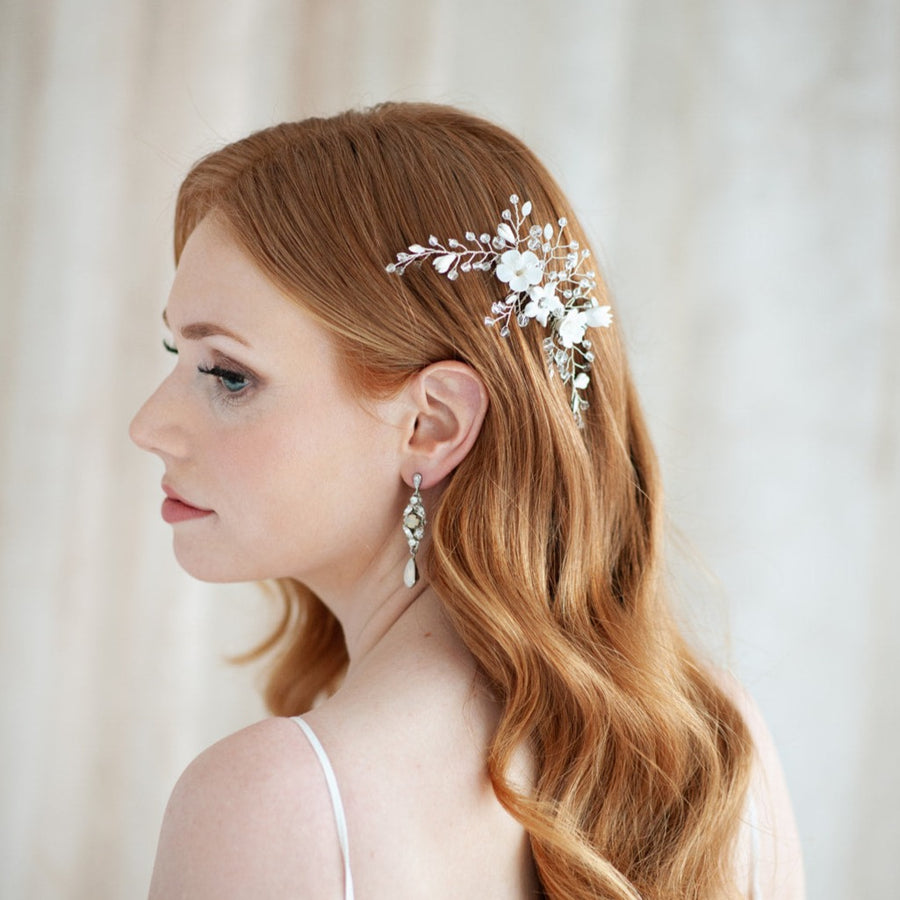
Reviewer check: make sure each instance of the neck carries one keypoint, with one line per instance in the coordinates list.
(364, 588)
(368, 627)
(373, 605)
(412, 636)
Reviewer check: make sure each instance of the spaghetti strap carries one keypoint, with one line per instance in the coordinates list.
(340, 818)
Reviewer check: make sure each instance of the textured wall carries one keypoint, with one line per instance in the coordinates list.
(739, 166)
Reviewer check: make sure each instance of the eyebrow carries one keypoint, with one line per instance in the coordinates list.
(197, 330)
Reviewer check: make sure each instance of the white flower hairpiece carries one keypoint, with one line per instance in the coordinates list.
(545, 283)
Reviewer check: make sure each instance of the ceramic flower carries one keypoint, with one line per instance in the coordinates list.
(598, 317)
(519, 270)
(543, 303)
(581, 381)
(572, 328)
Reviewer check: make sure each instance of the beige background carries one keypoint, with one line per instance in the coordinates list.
(738, 163)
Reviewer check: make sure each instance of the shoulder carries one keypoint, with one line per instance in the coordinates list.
(770, 845)
(250, 817)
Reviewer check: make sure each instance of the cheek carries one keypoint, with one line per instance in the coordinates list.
(260, 469)
(307, 479)
(301, 489)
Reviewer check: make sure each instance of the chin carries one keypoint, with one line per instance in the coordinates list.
(214, 568)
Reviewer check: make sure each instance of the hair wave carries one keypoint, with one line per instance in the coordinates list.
(552, 580)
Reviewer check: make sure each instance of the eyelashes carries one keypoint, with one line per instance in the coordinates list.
(232, 381)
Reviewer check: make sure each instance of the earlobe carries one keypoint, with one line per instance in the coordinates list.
(451, 402)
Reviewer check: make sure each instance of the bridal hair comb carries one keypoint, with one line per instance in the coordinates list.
(545, 282)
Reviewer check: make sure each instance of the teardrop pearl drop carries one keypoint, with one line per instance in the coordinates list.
(410, 573)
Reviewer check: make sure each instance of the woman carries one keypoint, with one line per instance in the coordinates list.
(399, 393)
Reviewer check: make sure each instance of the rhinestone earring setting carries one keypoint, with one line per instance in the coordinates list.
(414, 529)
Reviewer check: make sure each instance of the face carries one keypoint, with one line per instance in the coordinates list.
(273, 467)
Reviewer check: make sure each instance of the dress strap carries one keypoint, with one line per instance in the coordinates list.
(340, 818)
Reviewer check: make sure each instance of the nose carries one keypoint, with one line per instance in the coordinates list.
(158, 426)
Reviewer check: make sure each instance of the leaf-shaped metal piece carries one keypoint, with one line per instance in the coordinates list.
(505, 232)
(443, 263)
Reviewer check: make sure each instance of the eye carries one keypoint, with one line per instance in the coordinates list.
(171, 348)
(233, 382)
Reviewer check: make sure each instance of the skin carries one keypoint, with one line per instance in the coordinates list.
(271, 442)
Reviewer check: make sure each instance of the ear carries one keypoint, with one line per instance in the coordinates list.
(449, 402)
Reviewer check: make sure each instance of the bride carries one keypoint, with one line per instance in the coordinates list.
(400, 393)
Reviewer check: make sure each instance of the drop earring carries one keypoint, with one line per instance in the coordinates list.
(414, 529)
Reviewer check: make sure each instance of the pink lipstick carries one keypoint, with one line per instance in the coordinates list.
(176, 509)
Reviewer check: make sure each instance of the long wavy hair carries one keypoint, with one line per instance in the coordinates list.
(546, 543)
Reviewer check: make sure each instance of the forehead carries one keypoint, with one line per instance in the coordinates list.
(218, 283)
(214, 273)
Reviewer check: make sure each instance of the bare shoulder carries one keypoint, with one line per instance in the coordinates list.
(771, 838)
(250, 816)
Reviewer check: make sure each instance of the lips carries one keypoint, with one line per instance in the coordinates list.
(177, 509)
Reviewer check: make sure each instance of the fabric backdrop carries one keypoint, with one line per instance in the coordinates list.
(738, 165)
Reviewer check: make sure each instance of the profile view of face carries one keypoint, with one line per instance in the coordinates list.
(273, 466)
